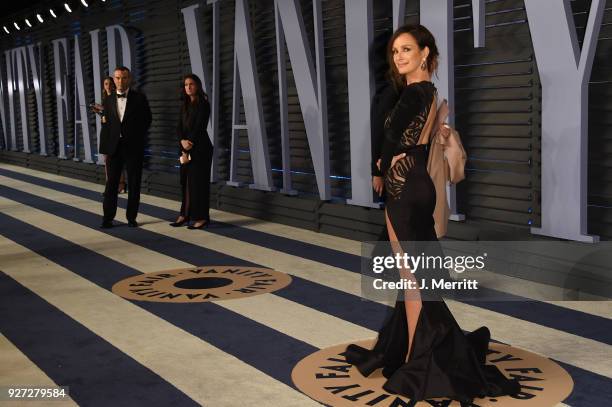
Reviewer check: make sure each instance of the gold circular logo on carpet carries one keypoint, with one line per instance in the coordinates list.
(201, 284)
(326, 377)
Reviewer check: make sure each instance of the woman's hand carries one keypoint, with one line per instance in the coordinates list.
(184, 159)
(97, 108)
(445, 130)
(396, 158)
(186, 144)
(378, 184)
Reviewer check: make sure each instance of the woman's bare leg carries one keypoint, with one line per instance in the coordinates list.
(412, 298)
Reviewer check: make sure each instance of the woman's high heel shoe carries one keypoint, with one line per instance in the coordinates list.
(201, 226)
(179, 223)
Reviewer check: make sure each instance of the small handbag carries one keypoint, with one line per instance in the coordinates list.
(185, 158)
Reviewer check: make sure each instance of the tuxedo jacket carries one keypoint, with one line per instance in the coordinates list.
(133, 128)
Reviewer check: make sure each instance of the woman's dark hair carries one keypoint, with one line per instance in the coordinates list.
(424, 38)
(186, 107)
(107, 78)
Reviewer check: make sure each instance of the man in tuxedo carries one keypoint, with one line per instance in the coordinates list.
(125, 122)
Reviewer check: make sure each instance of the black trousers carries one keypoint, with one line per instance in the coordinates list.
(115, 164)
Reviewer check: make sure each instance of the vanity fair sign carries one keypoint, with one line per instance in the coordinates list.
(21, 60)
(564, 71)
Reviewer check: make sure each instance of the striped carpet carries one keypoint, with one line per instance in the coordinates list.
(60, 323)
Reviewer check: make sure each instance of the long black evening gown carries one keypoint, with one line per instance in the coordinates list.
(195, 175)
(444, 362)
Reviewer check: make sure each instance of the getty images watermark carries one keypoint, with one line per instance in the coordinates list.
(486, 271)
(419, 265)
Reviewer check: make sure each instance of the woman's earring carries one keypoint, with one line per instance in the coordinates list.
(423, 66)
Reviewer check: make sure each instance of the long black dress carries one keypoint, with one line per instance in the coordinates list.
(195, 175)
(444, 362)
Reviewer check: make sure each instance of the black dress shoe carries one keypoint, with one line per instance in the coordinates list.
(132, 223)
(107, 224)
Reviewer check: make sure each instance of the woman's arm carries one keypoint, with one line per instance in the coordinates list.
(381, 106)
(404, 112)
(179, 126)
(184, 144)
(199, 123)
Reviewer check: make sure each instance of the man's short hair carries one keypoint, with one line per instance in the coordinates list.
(124, 69)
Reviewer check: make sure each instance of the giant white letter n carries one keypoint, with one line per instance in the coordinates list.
(564, 73)
(310, 82)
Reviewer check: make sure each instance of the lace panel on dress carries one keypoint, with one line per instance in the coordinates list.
(397, 174)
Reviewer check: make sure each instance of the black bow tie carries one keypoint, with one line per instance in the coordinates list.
(120, 95)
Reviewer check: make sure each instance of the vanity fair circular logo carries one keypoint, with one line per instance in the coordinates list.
(327, 377)
(201, 284)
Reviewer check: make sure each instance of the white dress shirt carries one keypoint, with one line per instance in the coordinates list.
(121, 102)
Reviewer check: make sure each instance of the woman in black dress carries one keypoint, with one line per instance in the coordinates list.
(421, 348)
(196, 154)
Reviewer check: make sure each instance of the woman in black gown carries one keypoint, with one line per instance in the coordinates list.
(421, 348)
(196, 154)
